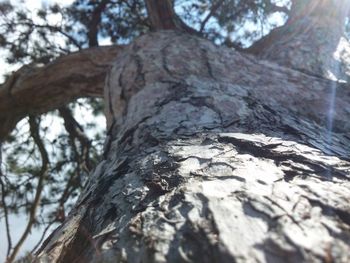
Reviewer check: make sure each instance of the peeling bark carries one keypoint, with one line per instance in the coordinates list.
(213, 156)
(34, 89)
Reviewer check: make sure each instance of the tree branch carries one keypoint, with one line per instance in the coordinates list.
(79, 74)
(3, 201)
(74, 41)
(94, 23)
(213, 10)
(306, 36)
(161, 14)
(34, 131)
(42, 237)
(277, 8)
(6, 216)
(75, 131)
(163, 17)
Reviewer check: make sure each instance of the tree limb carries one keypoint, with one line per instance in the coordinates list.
(163, 17)
(306, 37)
(34, 131)
(74, 41)
(80, 74)
(75, 131)
(95, 22)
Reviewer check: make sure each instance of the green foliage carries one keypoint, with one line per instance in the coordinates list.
(68, 170)
(33, 38)
(119, 21)
(29, 37)
(234, 22)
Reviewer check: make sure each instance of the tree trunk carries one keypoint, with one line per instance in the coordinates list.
(213, 156)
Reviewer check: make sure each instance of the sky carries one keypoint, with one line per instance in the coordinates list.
(17, 223)
(31, 5)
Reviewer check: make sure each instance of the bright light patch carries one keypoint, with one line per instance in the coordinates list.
(60, 2)
(33, 4)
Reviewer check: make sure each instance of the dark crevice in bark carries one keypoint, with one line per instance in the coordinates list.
(332, 211)
(207, 102)
(177, 90)
(109, 88)
(160, 178)
(140, 75)
(165, 62)
(197, 239)
(126, 136)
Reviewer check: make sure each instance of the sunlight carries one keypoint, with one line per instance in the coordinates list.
(322, 8)
(341, 8)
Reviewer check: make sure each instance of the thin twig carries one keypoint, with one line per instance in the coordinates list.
(53, 28)
(3, 201)
(42, 237)
(76, 131)
(34, 131)
(213, 10)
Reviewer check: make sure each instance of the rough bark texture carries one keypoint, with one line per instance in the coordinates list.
(312, 40)
(213, 156)
(35, 89)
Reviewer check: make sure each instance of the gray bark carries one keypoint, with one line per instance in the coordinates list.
(213, 156)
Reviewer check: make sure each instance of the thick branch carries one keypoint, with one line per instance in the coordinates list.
(161, 14)
(163, 17)
(95, 22)
(34, 89)
(306, 42)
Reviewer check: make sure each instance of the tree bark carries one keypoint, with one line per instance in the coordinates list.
(37, 89)
(163, 17)
(212, 156)
(312, 40)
